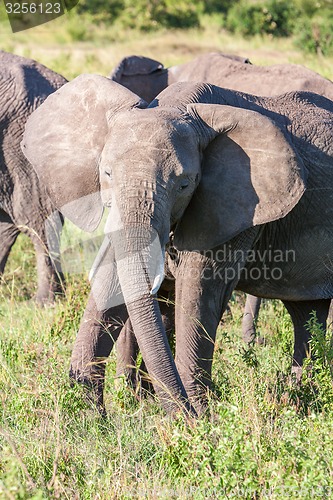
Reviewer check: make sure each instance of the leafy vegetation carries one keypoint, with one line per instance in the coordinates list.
(310, 22)
(276, 18)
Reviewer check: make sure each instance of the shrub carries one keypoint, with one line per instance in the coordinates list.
(102, 10)
(152, 14)
(315, 34)
(276, 17)
(211, 6)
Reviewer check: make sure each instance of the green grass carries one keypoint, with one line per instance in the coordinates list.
(262, 438)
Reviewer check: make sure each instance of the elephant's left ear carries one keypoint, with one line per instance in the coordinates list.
(251, 175)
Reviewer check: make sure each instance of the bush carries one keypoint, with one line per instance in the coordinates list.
(315, 34)
(212, 6)
(102, 10)
(152, 14)
(276, 17)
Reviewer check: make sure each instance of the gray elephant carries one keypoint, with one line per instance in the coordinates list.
(240, 179)
(24, 204)
(147, 78)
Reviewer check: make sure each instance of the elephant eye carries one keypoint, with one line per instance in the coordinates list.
(107, 172)
(184, 184)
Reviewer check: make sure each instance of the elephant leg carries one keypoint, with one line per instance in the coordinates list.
(97, 334)
(300, 313)
(250, 316)
(203, 288)
(127, 354)
(8, 235)
(45, 236)
(330, 317)
(199, 307)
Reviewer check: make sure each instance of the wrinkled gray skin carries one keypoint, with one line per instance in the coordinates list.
(227, 171)
(147, 78)
(24, 204)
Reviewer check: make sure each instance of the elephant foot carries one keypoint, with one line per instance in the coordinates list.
(199, 399)
(251, 338)
(48, 292)
(296, 374)
(48, 299)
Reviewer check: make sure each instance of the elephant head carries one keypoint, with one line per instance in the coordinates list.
(190, 162)
(143, 76)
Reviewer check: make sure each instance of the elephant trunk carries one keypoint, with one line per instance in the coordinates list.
(139, 258)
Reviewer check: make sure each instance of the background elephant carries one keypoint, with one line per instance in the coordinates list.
(24, 204)
(147, 78)
(196, 149)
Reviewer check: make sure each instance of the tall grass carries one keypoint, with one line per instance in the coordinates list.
(262, 437)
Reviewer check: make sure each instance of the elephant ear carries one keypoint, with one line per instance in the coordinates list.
(251, 175)
(135, 65)
(64, 138)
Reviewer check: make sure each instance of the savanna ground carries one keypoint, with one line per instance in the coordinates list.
(262, 438)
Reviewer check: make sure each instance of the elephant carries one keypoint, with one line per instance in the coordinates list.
(147, 77)
(24, 204)
(239, 179)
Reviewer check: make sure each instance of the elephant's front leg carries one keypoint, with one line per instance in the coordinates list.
(95, 339)
(127, 354)
(204, 284)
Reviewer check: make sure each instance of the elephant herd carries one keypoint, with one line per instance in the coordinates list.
(217, 175)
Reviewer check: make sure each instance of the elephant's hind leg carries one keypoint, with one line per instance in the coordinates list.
(300, 313)
(8, 235)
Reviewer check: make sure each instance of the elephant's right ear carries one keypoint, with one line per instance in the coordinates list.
(64, 138)
(135, 65)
